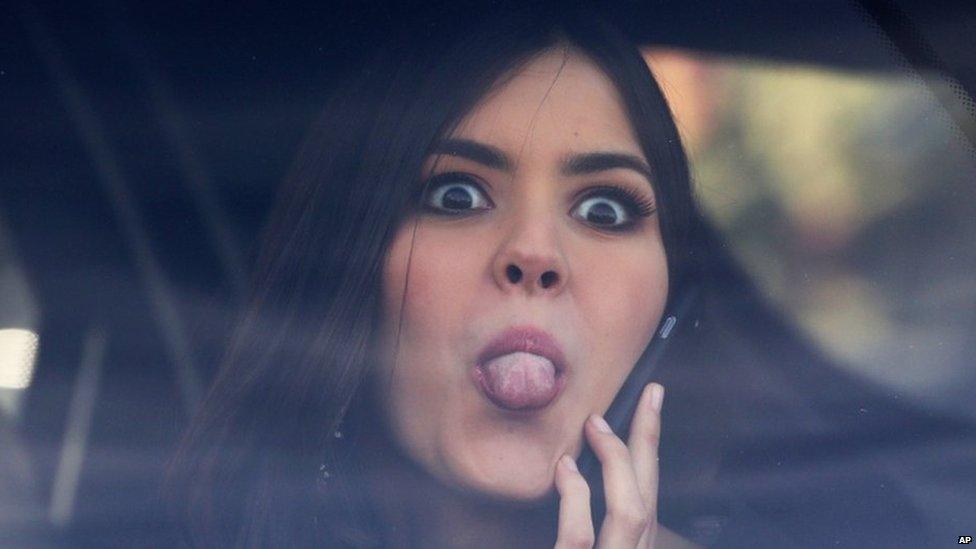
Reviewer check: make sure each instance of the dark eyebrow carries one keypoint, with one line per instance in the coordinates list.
(587, 163)
(577, 164)
(477, 152)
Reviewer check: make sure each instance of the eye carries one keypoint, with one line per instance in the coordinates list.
(614, 208)
(454, 193)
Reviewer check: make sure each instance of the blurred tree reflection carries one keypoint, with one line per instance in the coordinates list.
(851, 197)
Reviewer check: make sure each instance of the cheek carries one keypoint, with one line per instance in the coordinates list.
(621, 303)
(421, 345)
(438, 288)
(633, 291)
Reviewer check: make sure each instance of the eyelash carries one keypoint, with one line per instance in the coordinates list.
(634, 204)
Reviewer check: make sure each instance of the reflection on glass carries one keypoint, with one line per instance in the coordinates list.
(850, 197)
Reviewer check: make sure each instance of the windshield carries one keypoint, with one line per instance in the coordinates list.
(159, 179)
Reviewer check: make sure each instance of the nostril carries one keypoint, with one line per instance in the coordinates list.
(513, 273)
(549, 278)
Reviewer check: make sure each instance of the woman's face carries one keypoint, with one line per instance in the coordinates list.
(531, 237)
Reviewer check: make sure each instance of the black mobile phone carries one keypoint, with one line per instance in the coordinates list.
(679, 317)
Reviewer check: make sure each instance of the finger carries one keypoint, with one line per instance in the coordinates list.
(575, 523)
(626, 514)
(648, 538)
(644, 440)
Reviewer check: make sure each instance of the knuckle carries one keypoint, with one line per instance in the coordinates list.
(653, 436)
(634, 520)
(653, 428)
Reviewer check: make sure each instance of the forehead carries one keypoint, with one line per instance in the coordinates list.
(559, 100)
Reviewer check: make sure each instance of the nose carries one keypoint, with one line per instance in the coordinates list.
(530, 260)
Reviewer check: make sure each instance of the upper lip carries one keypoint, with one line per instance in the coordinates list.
(527, 339)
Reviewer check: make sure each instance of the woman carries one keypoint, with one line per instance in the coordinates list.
(476, 243)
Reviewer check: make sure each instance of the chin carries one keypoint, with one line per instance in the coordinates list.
(511, 493)
(521, 483)
(525, 493)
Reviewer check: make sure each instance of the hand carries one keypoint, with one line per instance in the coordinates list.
(630, 478)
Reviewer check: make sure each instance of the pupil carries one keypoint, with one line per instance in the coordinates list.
(602, 213)
(457, 198)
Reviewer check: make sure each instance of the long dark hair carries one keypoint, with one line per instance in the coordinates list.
(249, 471)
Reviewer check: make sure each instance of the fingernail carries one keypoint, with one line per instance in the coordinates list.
(569, 463)
(600, 424)
(657, 396)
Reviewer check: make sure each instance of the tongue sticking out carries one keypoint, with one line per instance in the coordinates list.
(520, 380)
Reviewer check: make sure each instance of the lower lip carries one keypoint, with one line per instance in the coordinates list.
(478, 375)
